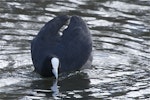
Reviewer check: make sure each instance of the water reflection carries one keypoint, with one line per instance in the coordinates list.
(51, 88)
(121, 48)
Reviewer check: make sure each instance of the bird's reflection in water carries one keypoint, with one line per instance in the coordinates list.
(65, 87)
(55, 89)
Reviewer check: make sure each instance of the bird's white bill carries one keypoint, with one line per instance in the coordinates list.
(55, 65)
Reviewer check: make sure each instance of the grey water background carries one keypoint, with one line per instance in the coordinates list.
(121, 48)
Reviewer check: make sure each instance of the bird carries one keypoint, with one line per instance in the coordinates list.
(53, 53)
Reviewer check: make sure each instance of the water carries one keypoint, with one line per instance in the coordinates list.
(121, 48)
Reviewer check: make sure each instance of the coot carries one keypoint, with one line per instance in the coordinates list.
(53, 53)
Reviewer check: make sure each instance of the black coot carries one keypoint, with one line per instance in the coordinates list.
(53, 53)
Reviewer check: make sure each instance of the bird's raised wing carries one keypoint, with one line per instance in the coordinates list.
(44, 43)
(77, 42)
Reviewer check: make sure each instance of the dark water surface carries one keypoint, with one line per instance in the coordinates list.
(121, 49)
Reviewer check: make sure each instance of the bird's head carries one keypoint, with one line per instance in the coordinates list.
(50, 67)
(55, 63)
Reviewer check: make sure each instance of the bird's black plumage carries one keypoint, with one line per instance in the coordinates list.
(73, 48)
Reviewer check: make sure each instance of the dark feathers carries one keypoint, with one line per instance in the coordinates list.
(73, 48)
